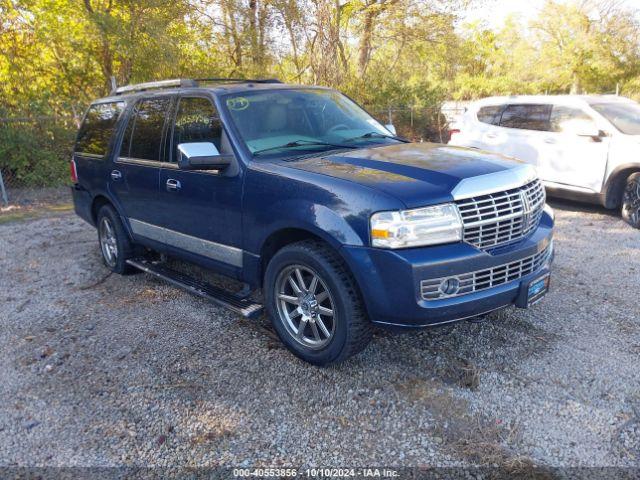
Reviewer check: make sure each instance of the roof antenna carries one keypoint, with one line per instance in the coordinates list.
(114, 84)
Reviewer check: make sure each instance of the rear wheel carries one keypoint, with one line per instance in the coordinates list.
(115, 245)
(314, 304)
(631, 201)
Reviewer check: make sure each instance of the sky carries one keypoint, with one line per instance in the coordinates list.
(494, 12)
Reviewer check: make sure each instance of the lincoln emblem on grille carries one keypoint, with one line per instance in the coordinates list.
(526, 210)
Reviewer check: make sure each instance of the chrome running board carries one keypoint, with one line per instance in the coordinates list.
(219, 296)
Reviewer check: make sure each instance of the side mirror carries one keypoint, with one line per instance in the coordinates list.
(581, 128)
(201, 156)
(391, 128)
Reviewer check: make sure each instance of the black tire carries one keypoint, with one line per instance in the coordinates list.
(351, 330)
(124, 250)
(631, 201)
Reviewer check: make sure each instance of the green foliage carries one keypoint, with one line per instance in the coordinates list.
(410, 55)
(35, 154)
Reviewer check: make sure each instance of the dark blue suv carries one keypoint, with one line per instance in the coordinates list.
(300, 192)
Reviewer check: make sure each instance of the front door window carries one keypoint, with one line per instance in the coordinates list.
(197, 121)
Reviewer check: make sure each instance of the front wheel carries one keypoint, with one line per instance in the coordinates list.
(631, 201)
(314, 304)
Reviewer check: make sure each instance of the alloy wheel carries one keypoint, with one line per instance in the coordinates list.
(108, 242)
(631, 202)
(305, 306)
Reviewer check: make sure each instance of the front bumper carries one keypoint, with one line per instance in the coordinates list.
(390, 280)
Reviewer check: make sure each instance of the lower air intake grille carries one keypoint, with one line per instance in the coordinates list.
(466, 283)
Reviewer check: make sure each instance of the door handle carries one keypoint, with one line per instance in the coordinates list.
(116, 175)
(173, 185)
(549, 140)
(492, 135)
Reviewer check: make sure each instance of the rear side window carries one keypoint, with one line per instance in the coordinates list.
(490, 114)
(196, 121)
(143, 134)
(97, 128)
(527, 117)
(563, 117)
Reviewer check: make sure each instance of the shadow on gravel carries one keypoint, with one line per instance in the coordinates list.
(583, 207)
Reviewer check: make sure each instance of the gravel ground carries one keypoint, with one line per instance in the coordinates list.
(104, 370)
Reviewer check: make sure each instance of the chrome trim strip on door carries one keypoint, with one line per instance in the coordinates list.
(140, 161)
(206, 248)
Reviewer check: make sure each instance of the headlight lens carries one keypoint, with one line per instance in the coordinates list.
(414, 228)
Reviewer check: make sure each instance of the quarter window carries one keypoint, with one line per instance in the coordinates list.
(197, 121)
(490, 114)
(527, 117)
(563, 117)
(97, 128)
(143, 135)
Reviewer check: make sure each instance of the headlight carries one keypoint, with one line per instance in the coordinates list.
(414, 228)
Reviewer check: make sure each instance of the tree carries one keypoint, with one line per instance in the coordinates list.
(587, 45)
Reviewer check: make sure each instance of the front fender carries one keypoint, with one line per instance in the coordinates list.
(278, 198)
(315, 218)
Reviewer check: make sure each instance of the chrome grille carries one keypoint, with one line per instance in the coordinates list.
(503, 217)
(488, 278)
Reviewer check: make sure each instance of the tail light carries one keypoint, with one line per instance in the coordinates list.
(74, 171)
(453, 131)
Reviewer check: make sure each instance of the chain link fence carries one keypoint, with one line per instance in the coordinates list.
(34, 161)
(35, 151)
(420, 124)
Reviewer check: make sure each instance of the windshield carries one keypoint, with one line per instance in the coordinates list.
(288, 122)
(624, 116)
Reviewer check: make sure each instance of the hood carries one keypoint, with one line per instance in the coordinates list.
(422, 174)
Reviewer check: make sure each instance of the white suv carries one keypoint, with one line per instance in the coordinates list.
(584, 147)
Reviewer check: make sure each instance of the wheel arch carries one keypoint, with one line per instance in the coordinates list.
(101, 200)
(282, 237)
(614, 187)
(288, 236)
(98, 202)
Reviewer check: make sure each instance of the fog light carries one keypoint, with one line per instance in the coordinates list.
(450, 286)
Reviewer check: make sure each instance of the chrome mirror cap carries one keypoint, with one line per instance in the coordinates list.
(201, 156)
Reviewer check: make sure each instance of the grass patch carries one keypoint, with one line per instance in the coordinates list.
(478, 440)
(22, 214)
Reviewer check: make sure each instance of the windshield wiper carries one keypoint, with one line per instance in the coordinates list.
(303, 143)
(376, 135)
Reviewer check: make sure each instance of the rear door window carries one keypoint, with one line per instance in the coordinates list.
(526, 117)
(490, 114)
(197, 121)
(97, 129)
(143, 136)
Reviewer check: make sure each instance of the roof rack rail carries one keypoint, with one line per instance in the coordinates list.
(186, 82)
(173, 83)
(237, 80)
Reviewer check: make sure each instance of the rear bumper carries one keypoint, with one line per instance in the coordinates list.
(390, 280)
(82, 203)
